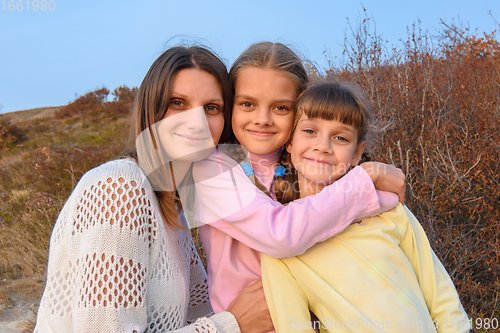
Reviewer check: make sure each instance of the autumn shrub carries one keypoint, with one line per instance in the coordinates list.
(10, 134)
(85, 104)
(116, 108)
(94, 104)
(123, 101)
(438, 102)
(124, 94)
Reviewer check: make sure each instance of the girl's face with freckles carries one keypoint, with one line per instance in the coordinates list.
(322, 151)
(263, 109)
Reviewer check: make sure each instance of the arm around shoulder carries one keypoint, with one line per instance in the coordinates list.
(227, 200)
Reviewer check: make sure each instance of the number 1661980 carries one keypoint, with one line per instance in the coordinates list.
(33, 5)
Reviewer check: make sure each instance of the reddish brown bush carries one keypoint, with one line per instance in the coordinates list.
(94, 104)
(10, 134)
(440, 106)
(124, 94)
(85, 104)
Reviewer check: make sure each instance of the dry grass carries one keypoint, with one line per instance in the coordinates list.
(31, 114)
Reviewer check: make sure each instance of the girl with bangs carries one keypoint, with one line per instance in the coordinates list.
(378, 275)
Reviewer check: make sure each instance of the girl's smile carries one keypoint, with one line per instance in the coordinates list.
(318, 161)
(261, 133)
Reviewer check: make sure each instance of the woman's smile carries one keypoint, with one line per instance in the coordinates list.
(189, 138)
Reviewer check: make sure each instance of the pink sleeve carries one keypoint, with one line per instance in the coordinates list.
(226, 199)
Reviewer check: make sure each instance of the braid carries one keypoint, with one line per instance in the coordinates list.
(284, 186)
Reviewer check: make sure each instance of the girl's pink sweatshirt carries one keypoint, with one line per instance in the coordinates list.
(237, 221)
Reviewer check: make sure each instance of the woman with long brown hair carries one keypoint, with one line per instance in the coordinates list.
(121, 254)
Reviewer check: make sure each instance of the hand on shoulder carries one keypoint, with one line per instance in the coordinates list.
(387, 177)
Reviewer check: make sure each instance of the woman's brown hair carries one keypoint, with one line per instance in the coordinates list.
(153, 98)
(328, 100)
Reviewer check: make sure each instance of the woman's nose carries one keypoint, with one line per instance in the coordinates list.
(197, 120)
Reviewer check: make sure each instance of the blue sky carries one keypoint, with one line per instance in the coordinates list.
(47, 58)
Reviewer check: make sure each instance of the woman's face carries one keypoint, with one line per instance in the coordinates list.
(194, 119)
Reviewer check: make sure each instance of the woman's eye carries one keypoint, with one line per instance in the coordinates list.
(177, 103)
(309, 131)
(246, 104)
(212, 109)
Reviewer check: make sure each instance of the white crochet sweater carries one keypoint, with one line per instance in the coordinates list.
(114, 266)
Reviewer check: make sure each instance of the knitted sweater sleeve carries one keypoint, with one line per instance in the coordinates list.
(100, 257)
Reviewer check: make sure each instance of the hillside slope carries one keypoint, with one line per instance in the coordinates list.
(31, 114)
(43, 154)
